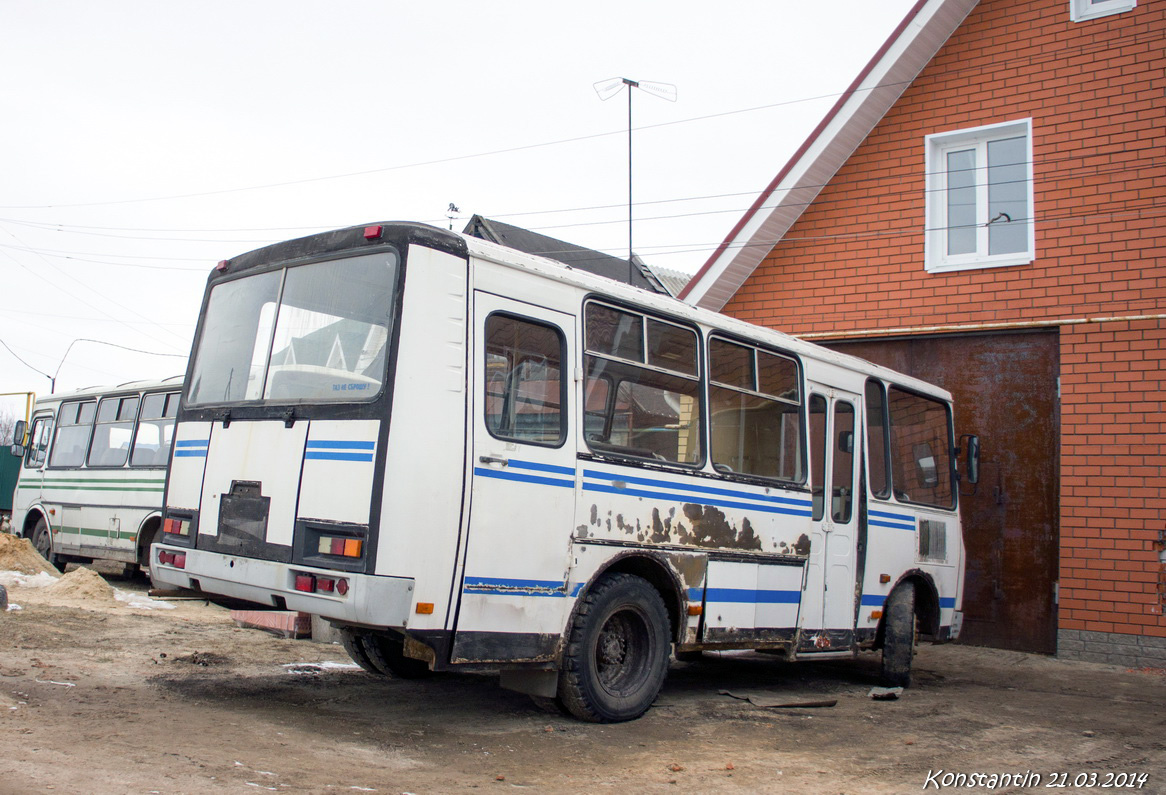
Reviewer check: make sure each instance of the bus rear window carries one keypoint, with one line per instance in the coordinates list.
(312, 333)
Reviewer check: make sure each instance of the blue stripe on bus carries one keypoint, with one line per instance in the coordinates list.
(502, 474)
(190, 453)
(753, 596)
(612, 477)
(896, 520)
(508, 587)
(800, 510)
(873, 600)
(327, 456)
(537, 467)
(342, 445)
(193, 443)
(947, 601)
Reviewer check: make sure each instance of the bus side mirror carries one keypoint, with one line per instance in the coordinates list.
(972, 444)
(18, 431)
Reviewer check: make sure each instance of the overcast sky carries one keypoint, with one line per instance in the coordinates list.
(142, 142)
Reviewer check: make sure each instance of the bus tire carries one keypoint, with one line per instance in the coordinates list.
(899, 636)
(353, 643)
(387, 653)
(617, 651)
(42, 540)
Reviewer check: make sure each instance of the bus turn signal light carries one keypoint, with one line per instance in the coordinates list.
(312, 583)
(425, 608)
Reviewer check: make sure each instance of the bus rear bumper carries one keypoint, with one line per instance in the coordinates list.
(371, 600)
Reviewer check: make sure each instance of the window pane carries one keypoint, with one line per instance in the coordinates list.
(615, 333)
(818, 455)
(155, 431)
(671, 347)
(1008, 195)
(654, 415)
(523, 387)
(842, 481)
(754, 435)
(731, 364)
(920, 449)
(38, 442)
(876, 436)
(72, 435)
(777, 376)
(233, 350)
(111, 435)
(961, 202)
(333, 329)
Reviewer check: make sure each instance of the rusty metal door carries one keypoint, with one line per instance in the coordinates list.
(1005, 388)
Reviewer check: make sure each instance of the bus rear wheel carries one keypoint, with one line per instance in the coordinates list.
(353, 643)
(617, 652)
(899, 636)
(387, 653)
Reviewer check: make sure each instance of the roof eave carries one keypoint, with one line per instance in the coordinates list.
(909, 48)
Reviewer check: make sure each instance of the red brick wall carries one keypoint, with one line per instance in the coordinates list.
(854, 261)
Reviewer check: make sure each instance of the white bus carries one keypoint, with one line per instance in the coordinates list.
(467, 457)
(93, 472)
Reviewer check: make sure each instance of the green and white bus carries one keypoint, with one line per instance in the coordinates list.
(94, 470)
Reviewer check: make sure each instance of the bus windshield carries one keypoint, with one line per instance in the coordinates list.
(309, 333)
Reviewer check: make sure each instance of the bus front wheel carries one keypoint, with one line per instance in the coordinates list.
(899, 636)
(617, 652)
(42, 540)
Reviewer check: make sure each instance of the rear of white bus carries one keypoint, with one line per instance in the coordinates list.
(277, 482)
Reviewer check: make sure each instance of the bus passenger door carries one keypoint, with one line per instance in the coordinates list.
(831, 571)
(523, 484)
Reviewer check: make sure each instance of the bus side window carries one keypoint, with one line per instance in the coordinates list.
(524, 391)
(818, 455)
(755, 412)
(112, 433)
(876, 434)
(155, 431)
(74, 423)
(38, 442)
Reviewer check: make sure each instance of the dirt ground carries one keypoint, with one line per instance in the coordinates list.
(103, 695)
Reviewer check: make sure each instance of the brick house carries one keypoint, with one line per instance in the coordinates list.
(984, 209)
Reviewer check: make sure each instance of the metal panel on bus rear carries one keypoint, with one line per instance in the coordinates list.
(337, 478)
(264, 452)
(191, 442)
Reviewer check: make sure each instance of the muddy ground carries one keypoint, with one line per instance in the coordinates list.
(99, 695)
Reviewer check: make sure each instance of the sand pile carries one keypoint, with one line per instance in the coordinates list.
(18, 554)
(82, 585)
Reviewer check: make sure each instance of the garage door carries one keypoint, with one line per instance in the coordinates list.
(1005, 390)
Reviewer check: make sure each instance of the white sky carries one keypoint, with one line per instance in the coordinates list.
(274, 120)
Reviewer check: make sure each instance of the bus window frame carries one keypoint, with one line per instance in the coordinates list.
(50, 416)
(57, 434)
(699, 378)
(169, 394)
(563, 408)
(133, 428)
(802, 405)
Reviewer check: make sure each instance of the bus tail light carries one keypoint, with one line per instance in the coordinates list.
(340, 545)
(176, 527)
(314, 583)
(175, 559)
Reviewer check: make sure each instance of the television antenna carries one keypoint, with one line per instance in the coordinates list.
(606, 89)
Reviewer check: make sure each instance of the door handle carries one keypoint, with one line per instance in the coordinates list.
(493, 459)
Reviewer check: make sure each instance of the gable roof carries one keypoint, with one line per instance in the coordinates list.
(913, 43)
(579, 257)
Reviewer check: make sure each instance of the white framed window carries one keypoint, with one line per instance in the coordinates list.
(979, 198)
(1082, 10)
